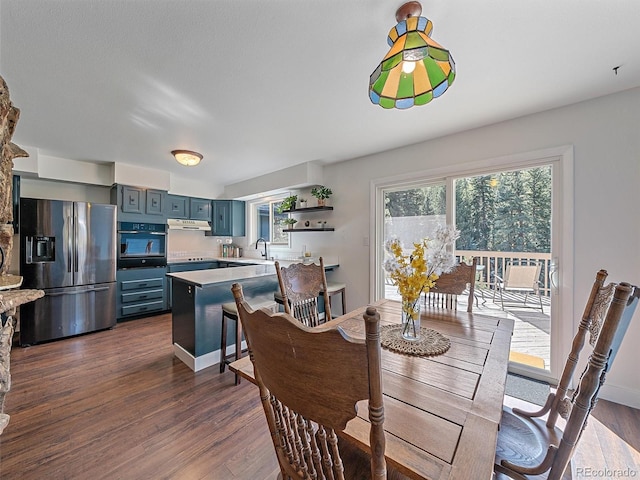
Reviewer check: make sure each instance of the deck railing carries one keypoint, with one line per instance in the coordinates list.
(494, 263)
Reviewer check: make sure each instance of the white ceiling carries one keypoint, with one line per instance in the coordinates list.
(256, 86)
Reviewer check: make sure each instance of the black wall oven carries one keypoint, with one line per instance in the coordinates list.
(142, 245)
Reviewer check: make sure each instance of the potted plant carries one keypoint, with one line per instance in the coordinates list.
(290, 222)
(321, 193)
(303, 203)
(288, 203)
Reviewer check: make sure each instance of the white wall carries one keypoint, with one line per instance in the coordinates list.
(38, 165)
(297, 176)
(191, 188)
(606, 140)
(77, 192)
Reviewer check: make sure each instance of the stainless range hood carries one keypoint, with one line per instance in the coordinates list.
(183, 224)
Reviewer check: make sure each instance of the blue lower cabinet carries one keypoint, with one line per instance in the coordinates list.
(186, 267)
(141, 291)
(197, 316)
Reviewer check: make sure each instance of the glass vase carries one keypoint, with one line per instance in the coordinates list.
(411, 320)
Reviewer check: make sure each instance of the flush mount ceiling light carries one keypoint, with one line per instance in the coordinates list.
(417, 69)
(187, 157)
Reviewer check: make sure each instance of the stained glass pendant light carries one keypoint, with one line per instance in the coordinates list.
(417, 69)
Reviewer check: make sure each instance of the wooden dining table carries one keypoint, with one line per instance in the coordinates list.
(441, 412)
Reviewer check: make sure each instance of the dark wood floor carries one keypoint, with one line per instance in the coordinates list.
(118, 405)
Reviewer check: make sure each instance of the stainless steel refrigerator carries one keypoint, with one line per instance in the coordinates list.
(67, 249)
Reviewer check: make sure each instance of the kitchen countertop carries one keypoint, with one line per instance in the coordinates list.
(245, 260)
(255, 268)
(196, 259)
(212, 276)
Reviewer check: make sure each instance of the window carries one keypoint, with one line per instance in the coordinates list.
(269, 223)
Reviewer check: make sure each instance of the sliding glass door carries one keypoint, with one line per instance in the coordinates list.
(505, 218)
(412, 213)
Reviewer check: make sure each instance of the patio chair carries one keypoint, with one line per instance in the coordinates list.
(521, 279)
(300, 286)
(450, 285)
(529, 445)
(310, 382)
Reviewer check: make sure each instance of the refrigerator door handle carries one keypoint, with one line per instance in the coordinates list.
(69, 246)
(75, 240)
(61, 294)
(99, 289)
(77, 292)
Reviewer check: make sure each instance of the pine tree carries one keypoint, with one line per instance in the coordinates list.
(506, 211)
(539, 186)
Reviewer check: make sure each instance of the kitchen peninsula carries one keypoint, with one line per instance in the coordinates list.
(196, 299)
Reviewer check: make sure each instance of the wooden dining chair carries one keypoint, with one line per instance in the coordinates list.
(591, 322)
(300, 286)
(527, 444)
(449, 285)
(310, 381)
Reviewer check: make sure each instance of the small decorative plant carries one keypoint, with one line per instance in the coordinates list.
(321, 193)
(290, 222)
(288, 203)
(303, 203)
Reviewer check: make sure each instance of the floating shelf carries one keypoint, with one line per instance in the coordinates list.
(308, 209)
(327, 229)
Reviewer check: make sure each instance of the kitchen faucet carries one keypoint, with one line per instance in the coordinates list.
(265, 247)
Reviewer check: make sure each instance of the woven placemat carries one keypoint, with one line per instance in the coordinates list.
(429, 344)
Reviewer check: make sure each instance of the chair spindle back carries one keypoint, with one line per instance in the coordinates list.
(449, 285)
(310, 381)
(300, 285)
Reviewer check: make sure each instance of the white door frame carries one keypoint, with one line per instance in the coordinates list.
(561, 161)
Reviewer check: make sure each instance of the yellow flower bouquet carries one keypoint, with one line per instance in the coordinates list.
(417, 272)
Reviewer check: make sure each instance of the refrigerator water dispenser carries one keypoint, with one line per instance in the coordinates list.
(40, 249)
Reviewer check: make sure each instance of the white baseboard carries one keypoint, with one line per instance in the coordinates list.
(203, 361)
(621, 395)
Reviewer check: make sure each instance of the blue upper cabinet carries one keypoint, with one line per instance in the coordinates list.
(228, 218)
(177, 206)
(155, 200)
(200, 209)
(139, 203)
(186, 207)
(131, 199)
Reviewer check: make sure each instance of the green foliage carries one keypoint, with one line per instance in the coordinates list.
(321, 192)
(416, 202)
(288, 203)
(475, 210)
(506, 211)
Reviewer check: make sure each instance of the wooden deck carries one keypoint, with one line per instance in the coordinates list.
(530, 343)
